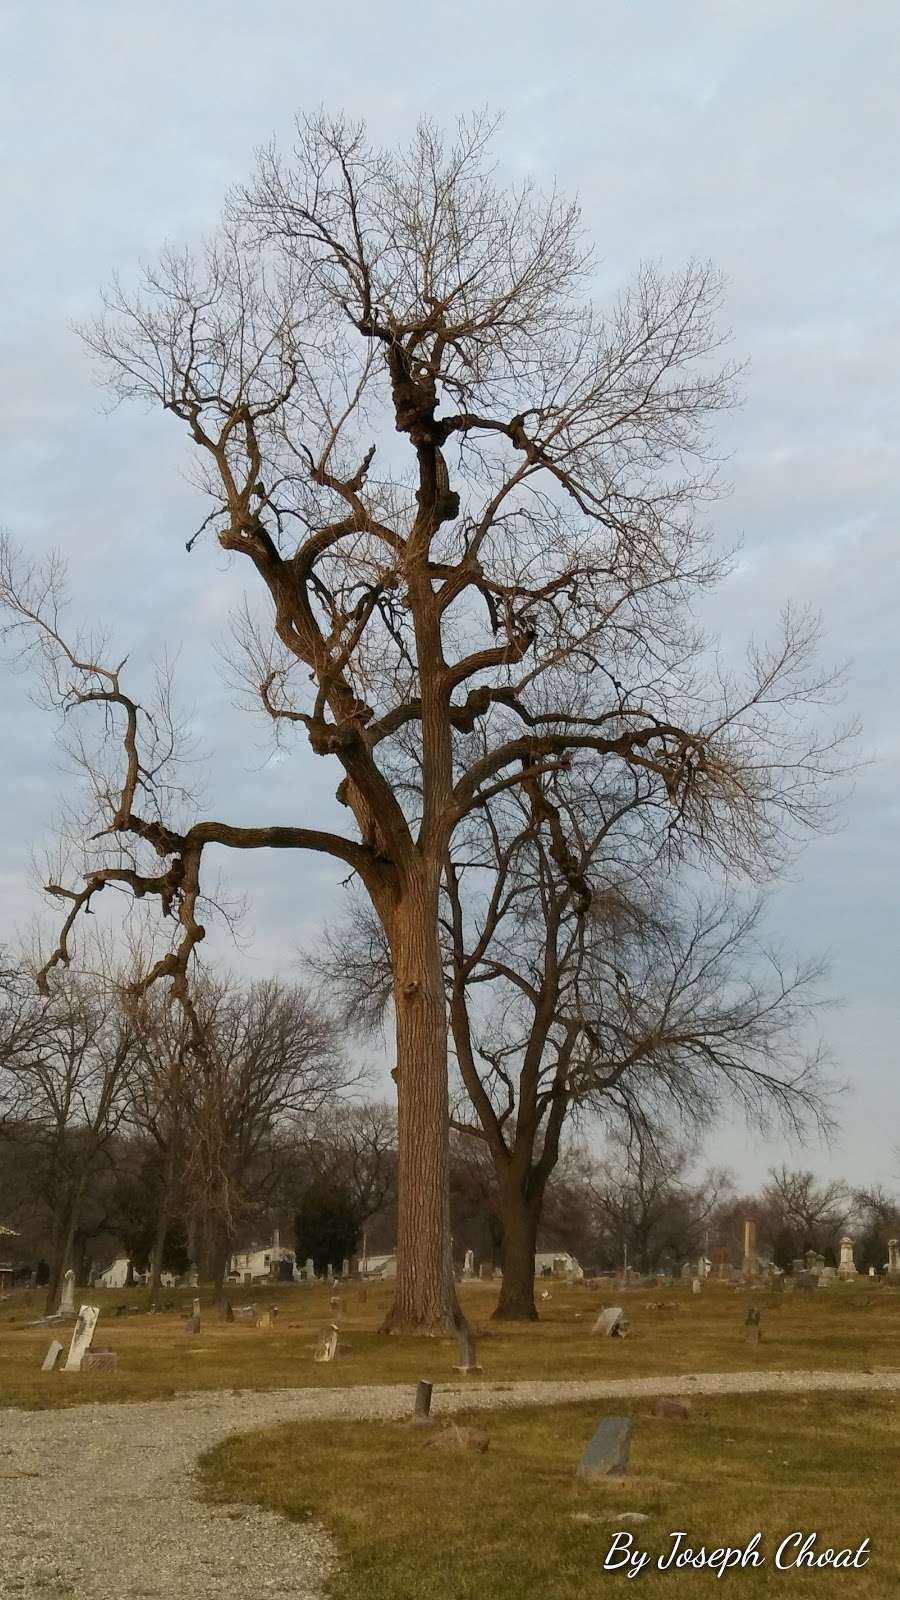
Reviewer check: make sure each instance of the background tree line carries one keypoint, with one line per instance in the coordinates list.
(117, 1136)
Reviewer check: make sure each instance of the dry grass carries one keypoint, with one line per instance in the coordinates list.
(843, 1327)
(415, 1524)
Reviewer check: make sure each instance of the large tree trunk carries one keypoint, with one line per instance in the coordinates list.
(425, 1300)
(520, 1222)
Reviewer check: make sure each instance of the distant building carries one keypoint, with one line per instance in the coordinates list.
(557, 1264)
(263, 1261)
(7, 1265)
(379, 1266)
(116, 1276)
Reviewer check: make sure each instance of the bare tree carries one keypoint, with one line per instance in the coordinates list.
(67, 1079)
(522, 562)
(808, 1213)
(647, 1208)
(627, 1000)
(269, 1055)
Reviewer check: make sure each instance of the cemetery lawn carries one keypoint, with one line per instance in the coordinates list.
(843, 1327)
(413, 1523)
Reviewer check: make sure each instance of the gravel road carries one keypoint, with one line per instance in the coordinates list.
(99, 1503)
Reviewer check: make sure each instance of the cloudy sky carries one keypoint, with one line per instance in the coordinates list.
(764, 136)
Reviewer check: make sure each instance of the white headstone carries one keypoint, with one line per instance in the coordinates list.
(67, 1298)
(52, 1356)
(327, 1346)
(695, 1286)
(610, 1321)
(894, 1255)
(81, 1338)
(310, 1269)
(469, 1264)
(847, 1268)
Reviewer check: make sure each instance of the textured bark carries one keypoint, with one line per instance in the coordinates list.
(425, 1300)
(520, 1222)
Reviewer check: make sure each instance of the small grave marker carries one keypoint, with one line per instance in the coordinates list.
(100, 1361)
(612, 1322)
(468, 1361)
(607, 1454)
(52, 1356)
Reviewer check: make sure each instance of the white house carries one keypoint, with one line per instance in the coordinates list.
(556, 1264)
(116, 1276)
(379, 1266)
(261, 1261)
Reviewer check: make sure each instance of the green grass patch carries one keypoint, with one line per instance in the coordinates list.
(413, 1523)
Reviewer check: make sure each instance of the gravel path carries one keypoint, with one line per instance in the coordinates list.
(98, 1502)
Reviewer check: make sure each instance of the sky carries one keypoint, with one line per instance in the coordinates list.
(762, 136)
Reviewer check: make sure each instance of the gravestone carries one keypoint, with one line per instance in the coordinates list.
(67, 1298)
(467, 1357)
(695, 1286)
(245, 1313)
(327, 1344)
(193, 1322)
(345, 1267)
(52, 1356)
(265, 1320)
(422, 1417)
(607, 1454)
(469, 1264)
(486, 1271)
(847, 1265)
(752, 1330)
(612, 1322)
(82, 1337)
(894, 1258)
(100, 1361)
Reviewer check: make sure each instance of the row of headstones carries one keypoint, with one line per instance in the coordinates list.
(81, 1358)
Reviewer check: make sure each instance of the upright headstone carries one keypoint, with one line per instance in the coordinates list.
(611, 1322)
(752, 1329)
(310, 1270)
(67, 1297)
(894, 1257)
(468, 1361)
(847, 1265)
(487, 1271)
(469, 1264)
(327, 1344)
(345, 1267)
(695, 1286)
(82, 1337)
(607, 1454)
(422, 1412)
(52, 1356)
(749, 1245)
(193, 1322)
